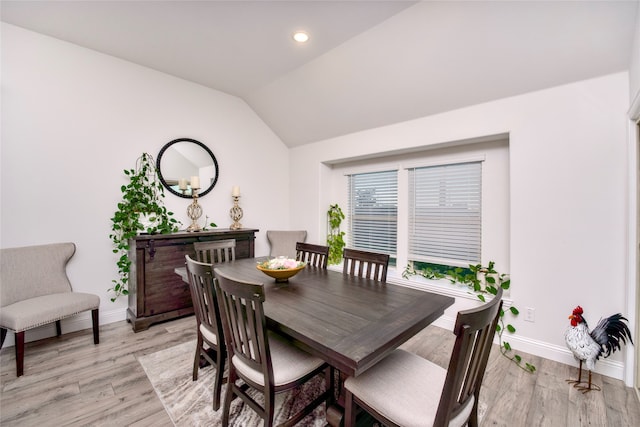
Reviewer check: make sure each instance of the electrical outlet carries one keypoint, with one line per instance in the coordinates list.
(530, 314)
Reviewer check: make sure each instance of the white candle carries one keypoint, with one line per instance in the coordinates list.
(236, 191)
(182, 183)
(195, 182)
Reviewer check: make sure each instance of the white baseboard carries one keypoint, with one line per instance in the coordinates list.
(610, 368)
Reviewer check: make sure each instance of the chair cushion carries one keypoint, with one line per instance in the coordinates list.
(405, 388)
(208, 335)
(289, 362)
(42, 310)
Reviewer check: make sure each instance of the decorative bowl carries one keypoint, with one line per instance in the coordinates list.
(280, 274)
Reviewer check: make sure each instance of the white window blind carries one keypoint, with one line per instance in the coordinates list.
(373, 211)
(445, 214)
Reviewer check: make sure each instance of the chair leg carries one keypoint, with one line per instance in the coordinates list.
(217, 384)
(196, 359)
(96, 326)
(3, 335)
(58, 328)
(19, 353)
(228, 397)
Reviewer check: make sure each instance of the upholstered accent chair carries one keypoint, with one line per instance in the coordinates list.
(36, 291)
(314, 255)
(406, 390)
(210, 338)
(283, 242)
(262, 360)
(371, 265)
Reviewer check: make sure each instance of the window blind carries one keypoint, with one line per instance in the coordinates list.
(445, 214)
(373, 211)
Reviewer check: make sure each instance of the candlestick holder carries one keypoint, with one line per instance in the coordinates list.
(236, 214)
(194, 212)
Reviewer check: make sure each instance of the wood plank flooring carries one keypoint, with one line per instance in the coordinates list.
(70, 381)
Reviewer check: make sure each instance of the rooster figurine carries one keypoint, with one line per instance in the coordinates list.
(588, 346)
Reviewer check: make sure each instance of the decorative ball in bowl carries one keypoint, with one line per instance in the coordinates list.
(281, 268)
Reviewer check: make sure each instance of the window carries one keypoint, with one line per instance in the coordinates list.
(445, 214)
(373, 211)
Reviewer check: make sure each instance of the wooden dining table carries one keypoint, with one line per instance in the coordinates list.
(350, 322)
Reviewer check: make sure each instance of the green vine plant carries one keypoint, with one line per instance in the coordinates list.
(481, 280)
(335, 237)
(142, 198)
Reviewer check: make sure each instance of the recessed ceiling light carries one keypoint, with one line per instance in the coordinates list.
(300, 36)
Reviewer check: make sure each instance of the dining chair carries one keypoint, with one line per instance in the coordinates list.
(403, 388)
(314, 255)
(210, 338)
(262, 360)
(216, 251)
(371, 265)
(283, 242)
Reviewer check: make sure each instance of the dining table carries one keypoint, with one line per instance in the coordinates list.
(350, 322)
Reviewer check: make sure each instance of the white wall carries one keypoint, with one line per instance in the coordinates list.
(74, 119)
(567, 148)
(634, 60)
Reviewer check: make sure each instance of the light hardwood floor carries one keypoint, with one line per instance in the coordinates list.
(70, 381)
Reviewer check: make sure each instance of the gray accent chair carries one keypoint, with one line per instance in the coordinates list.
(35, 291)
(283, 242)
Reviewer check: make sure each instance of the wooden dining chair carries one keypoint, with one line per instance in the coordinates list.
(314, 255)
(404, 389)
(210, 337)
(371, 265)
(263, 361)
(215, 251)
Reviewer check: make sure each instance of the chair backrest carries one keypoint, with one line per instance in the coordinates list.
(371, 265)
(32, 271)
(245, 326)
(474, 329)
(314, 255)
(216, 251)
(204, 297)
(283, 242)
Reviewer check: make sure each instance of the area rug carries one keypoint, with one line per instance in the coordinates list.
(189, 403)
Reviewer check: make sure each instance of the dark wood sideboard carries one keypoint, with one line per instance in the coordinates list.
(156, 292)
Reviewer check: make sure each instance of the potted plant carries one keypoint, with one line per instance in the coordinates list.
(141, 210)
(335, 237)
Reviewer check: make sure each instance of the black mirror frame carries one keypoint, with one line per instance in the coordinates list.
(168, 187)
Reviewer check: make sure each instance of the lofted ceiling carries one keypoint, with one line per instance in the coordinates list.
(368, 63)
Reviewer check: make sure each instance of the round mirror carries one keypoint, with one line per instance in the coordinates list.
(185, 163)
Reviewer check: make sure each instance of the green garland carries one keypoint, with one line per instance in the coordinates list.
(472, 278)
(143, 195)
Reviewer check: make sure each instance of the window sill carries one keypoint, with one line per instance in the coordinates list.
(441, 287)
